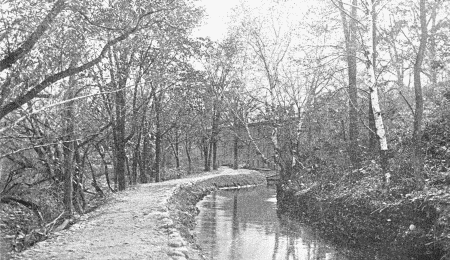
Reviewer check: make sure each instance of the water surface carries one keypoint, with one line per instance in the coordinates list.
(243, 224)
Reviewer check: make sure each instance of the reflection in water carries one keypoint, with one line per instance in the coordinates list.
(243, 224)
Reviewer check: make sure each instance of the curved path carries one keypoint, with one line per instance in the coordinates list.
(134, 224)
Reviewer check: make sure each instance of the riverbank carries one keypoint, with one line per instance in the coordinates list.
(369, 223)
(149, 221)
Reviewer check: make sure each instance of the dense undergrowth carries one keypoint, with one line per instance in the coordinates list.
(356, 205)
(22, 226)
(381, 223)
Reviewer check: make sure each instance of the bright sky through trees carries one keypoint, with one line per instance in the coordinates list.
(216, 20)
(217, 17)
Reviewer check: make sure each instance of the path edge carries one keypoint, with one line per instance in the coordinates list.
(182, 208)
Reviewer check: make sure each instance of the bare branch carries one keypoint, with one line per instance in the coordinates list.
(26, 47)
(32, 93)
(53, 105)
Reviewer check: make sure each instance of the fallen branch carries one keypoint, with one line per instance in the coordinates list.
(49, 227)
(32, 206)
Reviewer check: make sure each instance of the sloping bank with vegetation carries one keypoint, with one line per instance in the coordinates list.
(357, 210)
(182, 204)
(369, 223)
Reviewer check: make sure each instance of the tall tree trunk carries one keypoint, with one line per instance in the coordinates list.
(157, 165)
(236, 147)
(158, 139)
(418, 157)
(127, 164)
(350, 33)
(136, 158)
(373, 140)
(214, 155)
(187, 148)
(210, 148)
(114, 151)
(236, 153)
(105, 166)
(68, 148)
(119, 60)
(432, 49)
(164, 155)
(121, 159)
(237, 129)
(206, 152)
(176, 149)
(79, 199)
(215, 136)
(69, 145)
(145, 156)
(372, 66)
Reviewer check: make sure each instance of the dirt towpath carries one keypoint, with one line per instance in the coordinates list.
(134, 224)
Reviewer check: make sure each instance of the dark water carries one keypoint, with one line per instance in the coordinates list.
(243, 224)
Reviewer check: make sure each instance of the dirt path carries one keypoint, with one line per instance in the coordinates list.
(134, 224)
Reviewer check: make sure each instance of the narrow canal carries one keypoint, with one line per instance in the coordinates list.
(243, 224)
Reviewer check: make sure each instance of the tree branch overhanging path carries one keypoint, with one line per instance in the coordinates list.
(34, 38)
(28, 45)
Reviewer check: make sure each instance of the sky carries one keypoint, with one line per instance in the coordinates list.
(216, 20)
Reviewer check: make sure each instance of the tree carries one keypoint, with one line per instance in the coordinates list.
(220, 72)
(372, 67)
(418, 158)
(33, 88)
(66, 79)
(69, 144)
(119, 77)
(269, 49)
(349, 21)
(25, 47)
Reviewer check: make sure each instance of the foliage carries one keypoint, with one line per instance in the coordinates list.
(98, 96)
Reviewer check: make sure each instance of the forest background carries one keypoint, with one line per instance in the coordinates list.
(100, 95)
